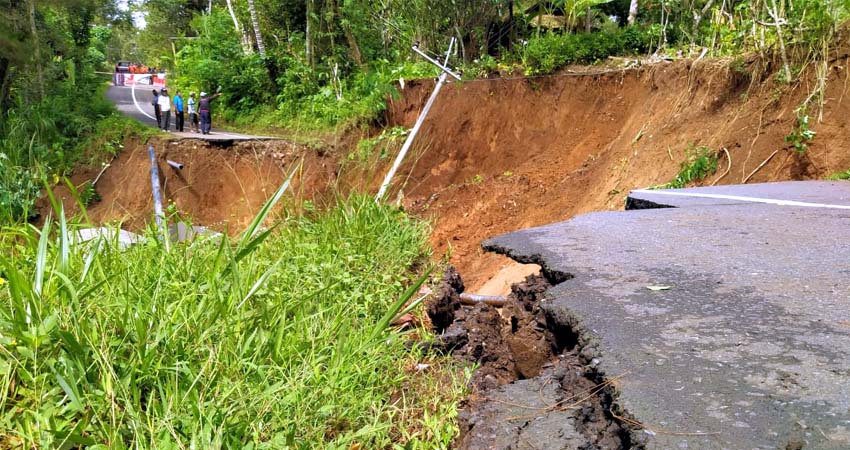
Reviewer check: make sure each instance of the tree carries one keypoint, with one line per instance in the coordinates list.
(246, 43)
(256, 23)
(633, 11)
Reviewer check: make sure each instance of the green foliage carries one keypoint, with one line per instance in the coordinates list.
(547, 53)
(389, 137)
(359, 98)
(214, 345)
(50, 138)
(801, 135)
(840, 175)
(215, 61)
(700, 163)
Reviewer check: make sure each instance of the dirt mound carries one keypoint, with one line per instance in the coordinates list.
(531, 388)
(222, 184)
(500, 155)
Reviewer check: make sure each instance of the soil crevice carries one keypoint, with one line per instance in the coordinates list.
(534, 386)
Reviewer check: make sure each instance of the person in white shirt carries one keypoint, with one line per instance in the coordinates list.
(165, 109)
(193, 114)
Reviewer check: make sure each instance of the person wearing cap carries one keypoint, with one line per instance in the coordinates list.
(178, 111)
(165, 109)
(156, 111)
(193, 113)
(205, 110)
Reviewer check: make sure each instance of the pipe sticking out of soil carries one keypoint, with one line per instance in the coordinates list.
(473, 299)
(174, 164)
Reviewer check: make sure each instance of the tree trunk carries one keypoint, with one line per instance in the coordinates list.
(349, 35)
(774, 13)
(5, 72)
(698, 15)
(511, 24)
(633, 12)
(309, 34)
(588, 20)
(256, 22)
(246, 43)
(37, 48)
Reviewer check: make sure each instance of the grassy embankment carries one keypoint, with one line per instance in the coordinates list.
(277, 340)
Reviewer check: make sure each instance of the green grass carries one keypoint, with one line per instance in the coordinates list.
(700, 163)
(276, 340)
(840, 176)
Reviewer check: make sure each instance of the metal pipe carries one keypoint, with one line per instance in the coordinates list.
(410, 137)
(174, 164)
(157, 197)
(474, 299)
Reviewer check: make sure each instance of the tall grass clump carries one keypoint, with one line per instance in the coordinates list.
(278, 340)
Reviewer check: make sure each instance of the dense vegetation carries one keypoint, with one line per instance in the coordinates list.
(322, 63)
(275, 343)
(51, 99)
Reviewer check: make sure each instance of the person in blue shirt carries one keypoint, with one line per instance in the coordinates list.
(178, 111)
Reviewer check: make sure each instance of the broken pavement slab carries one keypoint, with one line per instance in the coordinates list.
(750, 348)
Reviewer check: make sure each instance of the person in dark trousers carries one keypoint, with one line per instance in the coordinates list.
(178, 111)
(156, 110)
(206, 111)
(193, 113)
(165, 109)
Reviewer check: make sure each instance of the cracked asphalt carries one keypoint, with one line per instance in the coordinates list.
(727, 315)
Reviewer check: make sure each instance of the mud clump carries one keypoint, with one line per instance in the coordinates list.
(529, 390)
(442, 310)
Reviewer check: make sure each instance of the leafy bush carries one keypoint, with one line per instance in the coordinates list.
(549, 52)
(360, 97)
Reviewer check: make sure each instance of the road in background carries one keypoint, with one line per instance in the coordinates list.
(122, 96)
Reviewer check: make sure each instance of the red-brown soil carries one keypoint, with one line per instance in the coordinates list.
(222, 185)
(499, 155)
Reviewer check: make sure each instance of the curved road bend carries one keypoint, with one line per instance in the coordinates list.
(122, 96)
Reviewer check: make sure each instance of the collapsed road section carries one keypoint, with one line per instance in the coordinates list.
(717, 322)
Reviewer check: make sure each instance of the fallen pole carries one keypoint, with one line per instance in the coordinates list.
(410, 137)
(157, 197)
(174, 164)
(474, 299)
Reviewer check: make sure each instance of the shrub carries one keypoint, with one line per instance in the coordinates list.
(549, 52)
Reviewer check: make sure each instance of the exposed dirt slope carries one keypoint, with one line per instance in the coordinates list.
(500, 155)
(222, 185)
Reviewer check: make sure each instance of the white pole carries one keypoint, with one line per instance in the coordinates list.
(409, 141)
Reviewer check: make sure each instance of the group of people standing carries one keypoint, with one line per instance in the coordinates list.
(200, 112)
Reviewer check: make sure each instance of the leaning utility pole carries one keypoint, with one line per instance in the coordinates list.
(445, 73)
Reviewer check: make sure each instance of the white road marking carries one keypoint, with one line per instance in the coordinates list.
(133, 93)
(769, 201)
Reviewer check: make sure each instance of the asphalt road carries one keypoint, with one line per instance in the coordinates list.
(142, 111)
(727, 315)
